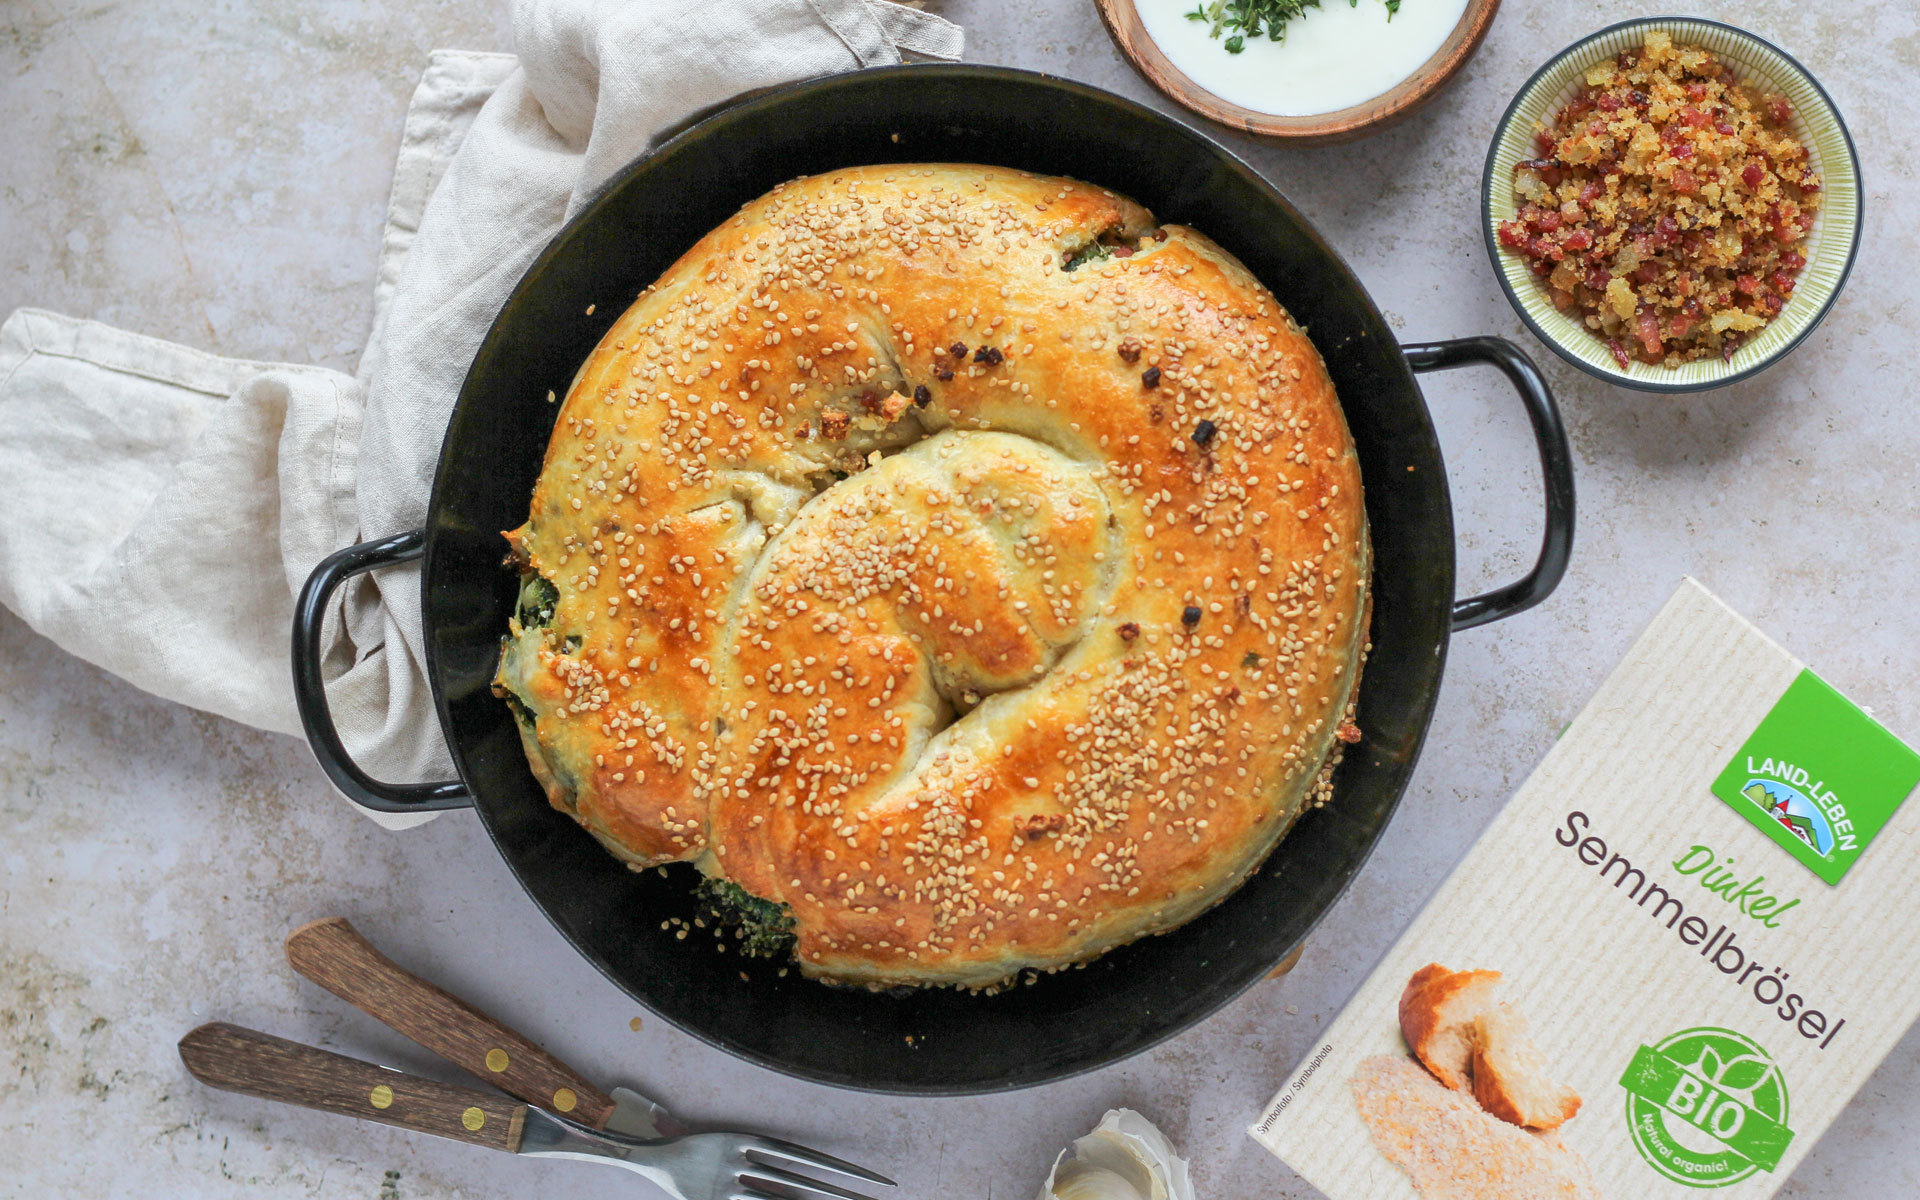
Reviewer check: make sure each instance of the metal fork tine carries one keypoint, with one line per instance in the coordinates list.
(793, 1154)
(796, 1187)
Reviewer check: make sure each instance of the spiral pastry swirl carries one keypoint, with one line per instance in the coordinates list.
(953, 557)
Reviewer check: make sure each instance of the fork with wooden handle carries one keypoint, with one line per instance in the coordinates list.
(700, 1166)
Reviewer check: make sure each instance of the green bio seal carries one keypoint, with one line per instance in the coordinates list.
(1707, 1107)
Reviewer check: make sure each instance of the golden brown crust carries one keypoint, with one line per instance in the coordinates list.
(1438, 1009)
(879, 532)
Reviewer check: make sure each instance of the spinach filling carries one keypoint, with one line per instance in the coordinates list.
(534, 610)
(521, 712)
(538, 597)
(1091, 252)
(765, 929)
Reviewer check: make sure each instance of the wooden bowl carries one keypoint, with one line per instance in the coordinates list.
(1123, 24)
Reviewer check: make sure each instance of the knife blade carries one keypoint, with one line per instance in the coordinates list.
(636, 1116)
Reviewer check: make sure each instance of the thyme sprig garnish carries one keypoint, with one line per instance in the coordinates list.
(1242, 19)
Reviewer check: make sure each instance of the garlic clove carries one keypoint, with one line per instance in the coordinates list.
(1124, 1158)
(1094, 1184)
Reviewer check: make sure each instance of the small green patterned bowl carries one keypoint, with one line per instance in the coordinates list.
(1831, 243)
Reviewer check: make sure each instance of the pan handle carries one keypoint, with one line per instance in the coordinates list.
(1556, 466)
(310, 690)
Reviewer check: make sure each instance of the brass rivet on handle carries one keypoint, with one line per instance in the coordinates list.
(564, 1100)
(496, 1060)
(381, 1096)
(473, 1119)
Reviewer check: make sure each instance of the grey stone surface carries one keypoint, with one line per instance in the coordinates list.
(217, 174)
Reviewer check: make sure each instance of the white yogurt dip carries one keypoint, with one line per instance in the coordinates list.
(1334, 57)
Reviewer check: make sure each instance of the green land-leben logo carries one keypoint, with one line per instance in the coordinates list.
(1819, 777)
(1707, 1107)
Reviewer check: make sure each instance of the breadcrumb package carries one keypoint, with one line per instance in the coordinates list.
(1665, 967)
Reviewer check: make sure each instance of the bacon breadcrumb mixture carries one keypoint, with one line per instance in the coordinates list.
(1670, 205)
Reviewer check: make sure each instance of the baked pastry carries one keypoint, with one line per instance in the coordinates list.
(1470, 1041)
(966, 568)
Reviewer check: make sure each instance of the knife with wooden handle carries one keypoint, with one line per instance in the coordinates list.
(258, 1064)
(333, 954)
(717, 1165)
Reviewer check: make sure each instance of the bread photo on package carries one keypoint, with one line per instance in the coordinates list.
(1478, 1119)
(1471, 1041)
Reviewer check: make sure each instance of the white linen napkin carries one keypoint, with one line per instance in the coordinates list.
(163, 505)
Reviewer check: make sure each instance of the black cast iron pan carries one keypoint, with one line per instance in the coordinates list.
(935, 1041)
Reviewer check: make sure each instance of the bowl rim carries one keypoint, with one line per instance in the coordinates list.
(1494, 255)
(1144, 55)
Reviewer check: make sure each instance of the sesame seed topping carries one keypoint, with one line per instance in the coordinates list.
(841, 638)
